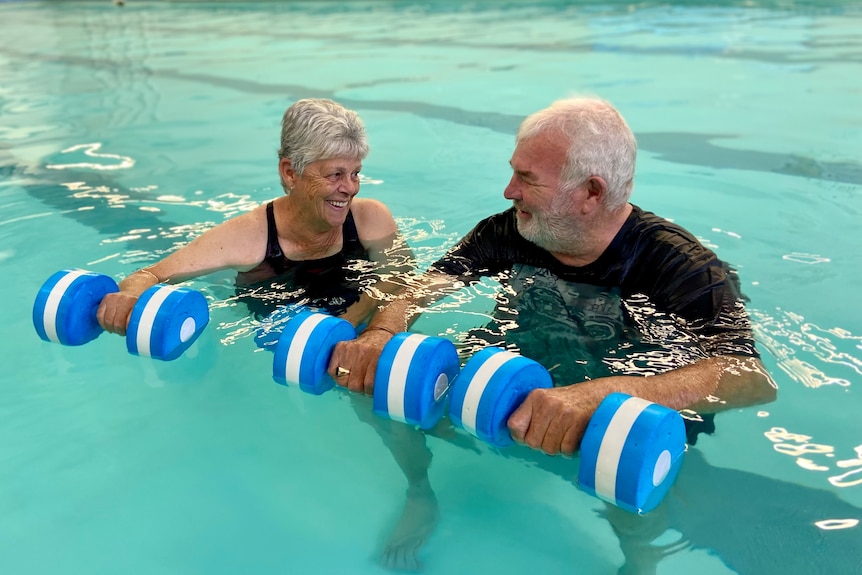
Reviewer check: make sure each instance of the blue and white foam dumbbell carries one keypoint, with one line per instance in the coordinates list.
(413, 371)
(165, 321)
(65, 307)
(630, 453)
(493, 383)
(304, 349)
(413, 376)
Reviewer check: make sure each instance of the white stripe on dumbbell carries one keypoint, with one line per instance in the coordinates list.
(478, 383)
(49, 314)
(398, 375)
(148, 318)
(293, 360)
(613, 441)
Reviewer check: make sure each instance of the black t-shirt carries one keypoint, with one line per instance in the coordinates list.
(654, 288)
(655, 300)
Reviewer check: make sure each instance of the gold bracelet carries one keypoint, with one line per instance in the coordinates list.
(381, 328)
(151, 274)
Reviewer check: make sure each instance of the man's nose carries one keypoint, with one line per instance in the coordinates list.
(512, 191)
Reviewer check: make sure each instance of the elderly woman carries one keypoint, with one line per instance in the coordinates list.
(316, 244)
(310, 238)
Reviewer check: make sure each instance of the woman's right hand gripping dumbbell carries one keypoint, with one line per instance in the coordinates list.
(116, 308)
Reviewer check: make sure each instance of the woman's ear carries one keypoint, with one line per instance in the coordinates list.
(287, 174)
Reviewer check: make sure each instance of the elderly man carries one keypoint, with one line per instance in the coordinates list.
(619, 275)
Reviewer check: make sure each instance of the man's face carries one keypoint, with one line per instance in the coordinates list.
(546, 216)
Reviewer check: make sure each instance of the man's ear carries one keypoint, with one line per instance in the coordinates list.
(595, 189)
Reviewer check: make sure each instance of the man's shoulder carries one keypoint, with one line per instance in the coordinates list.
(661, 232)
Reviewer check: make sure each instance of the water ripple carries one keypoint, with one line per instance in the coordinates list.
(809, 354)
(91, 150)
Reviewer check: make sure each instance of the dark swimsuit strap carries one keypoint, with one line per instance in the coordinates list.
(273, 249)
(350, 243)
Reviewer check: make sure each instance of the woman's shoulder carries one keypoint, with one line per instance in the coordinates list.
(252, 220)
(374, 221)
(369, 207)
(370, 212)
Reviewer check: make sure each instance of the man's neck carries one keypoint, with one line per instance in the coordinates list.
(602, 233)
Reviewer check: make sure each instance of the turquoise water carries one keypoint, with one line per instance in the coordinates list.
(124, 132)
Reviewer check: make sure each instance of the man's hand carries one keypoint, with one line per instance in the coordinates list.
(359, 358)
(554, 420)
(114, 312)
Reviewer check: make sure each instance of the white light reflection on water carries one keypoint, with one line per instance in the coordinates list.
(727, 233)
(804, 258)
(831, 524)
(798, 445)
(91, 150)
(800, 348)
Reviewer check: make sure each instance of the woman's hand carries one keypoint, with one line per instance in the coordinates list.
(116, 308)
(114, 312)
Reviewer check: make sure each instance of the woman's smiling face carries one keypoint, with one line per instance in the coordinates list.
(328, 187)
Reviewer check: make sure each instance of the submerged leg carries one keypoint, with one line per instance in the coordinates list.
(419, 515)
(638, 539)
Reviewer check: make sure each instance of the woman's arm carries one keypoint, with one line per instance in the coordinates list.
(238, 243)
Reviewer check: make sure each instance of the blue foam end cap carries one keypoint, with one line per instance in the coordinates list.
(174, 325)
(314, 355)
(75, 313)
(434, 364)
(505, 391)
(649, 461)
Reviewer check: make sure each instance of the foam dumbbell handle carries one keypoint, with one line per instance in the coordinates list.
(493, 383)
(166, 321)
(65, 308)
(413, 375)
(631, 452)
(304, 349)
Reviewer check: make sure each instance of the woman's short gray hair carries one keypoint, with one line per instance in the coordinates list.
(600, 143)
(318, 129)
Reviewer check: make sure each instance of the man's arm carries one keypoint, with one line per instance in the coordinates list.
(554, 420)
(393, 257)
(360, 355)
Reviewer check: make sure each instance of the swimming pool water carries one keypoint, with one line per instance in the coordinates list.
(124, 132)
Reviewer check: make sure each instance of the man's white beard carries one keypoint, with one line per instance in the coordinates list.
(556, 233)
